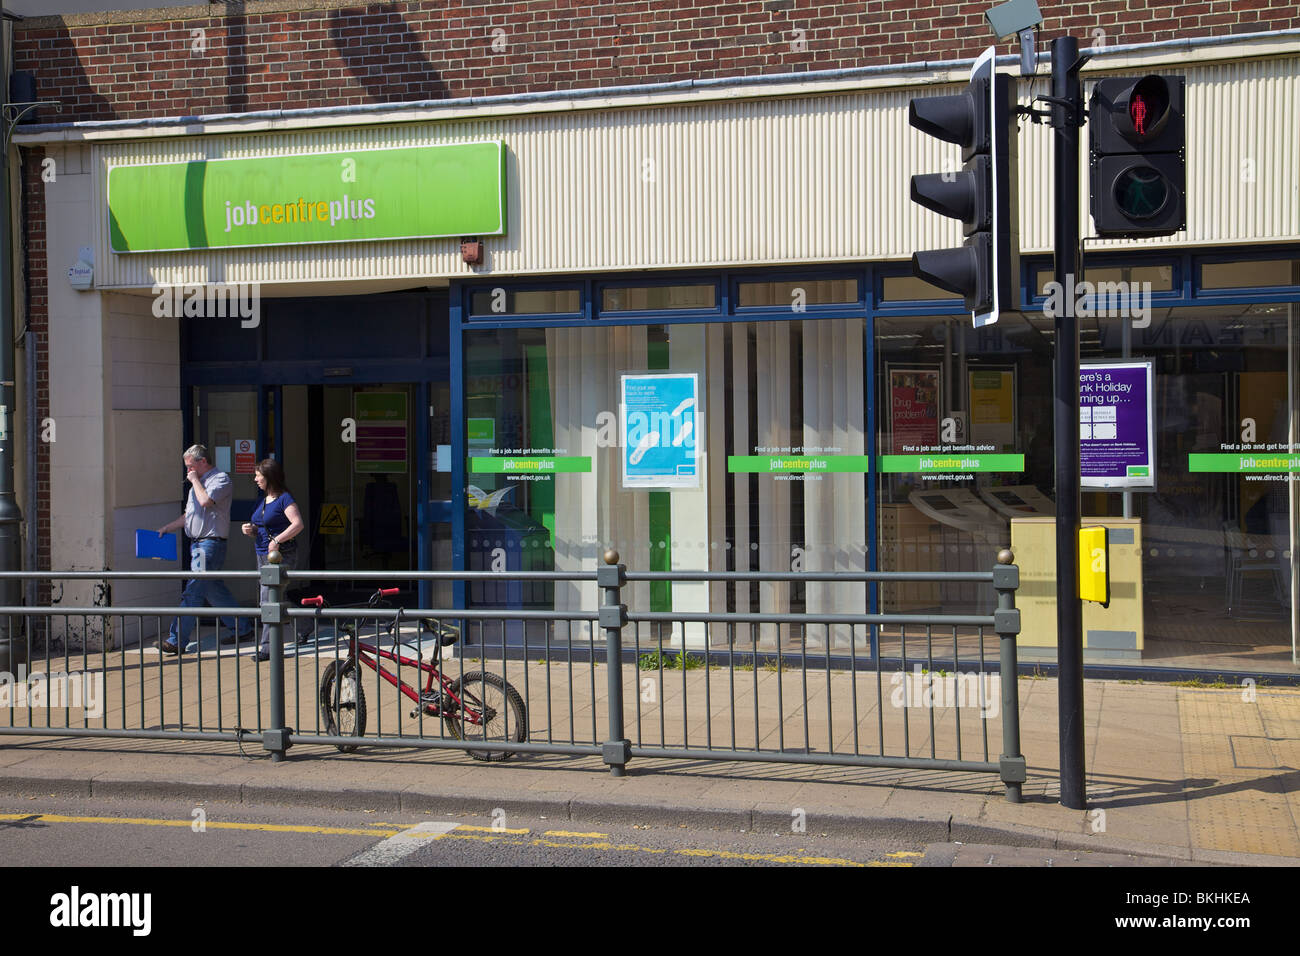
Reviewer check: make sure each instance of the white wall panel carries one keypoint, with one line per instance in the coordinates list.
(805, 179)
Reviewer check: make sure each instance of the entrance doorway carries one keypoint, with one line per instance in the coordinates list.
(372, 489)
(349, 452)
(358, 412)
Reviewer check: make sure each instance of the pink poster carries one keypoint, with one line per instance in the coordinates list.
(913, 410)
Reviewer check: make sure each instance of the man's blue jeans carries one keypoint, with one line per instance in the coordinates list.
(206, 555)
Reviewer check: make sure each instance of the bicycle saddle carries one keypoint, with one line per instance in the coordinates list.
(448, 634)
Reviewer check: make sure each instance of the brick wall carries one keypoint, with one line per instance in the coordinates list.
(269, 56)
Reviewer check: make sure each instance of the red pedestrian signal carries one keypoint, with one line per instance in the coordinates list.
(1138, 175)
(1139, 113)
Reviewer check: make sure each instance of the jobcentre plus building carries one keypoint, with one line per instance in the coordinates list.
(679, 321)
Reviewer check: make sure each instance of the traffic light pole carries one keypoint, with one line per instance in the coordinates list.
(1067, 120)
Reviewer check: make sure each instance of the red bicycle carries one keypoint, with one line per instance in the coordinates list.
(476, 706)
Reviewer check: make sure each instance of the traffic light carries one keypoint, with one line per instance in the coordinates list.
(983, 195)
(1138, 139)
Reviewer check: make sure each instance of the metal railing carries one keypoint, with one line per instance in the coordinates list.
(772, 686)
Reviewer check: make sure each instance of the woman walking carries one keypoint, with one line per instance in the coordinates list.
(275, 523)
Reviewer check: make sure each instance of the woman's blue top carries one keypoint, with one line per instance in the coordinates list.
(269, 520)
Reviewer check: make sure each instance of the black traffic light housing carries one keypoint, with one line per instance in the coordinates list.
(984, 195)
(1138, 139)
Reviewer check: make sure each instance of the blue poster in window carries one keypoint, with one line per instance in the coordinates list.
(660, 416)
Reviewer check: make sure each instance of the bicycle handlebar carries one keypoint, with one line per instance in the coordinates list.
(319, 600)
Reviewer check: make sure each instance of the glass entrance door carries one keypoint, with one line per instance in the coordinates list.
(349, 453)
(231, 422)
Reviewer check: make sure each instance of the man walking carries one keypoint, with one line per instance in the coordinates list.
(207, 525)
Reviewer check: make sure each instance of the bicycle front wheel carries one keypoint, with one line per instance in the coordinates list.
(343, 702)
(490, 710)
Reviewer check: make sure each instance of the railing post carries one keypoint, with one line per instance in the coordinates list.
(276, 737)
(610, 577)
(1006, 622)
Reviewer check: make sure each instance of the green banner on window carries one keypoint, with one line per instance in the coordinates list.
(529, 464)
(415, 192)
(944, 464)
(481, 431)
(1252, 462)
(765, 464)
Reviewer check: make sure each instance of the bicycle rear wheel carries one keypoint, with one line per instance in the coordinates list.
(343, 702)
(490, 710)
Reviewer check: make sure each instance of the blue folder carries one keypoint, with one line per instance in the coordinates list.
(149, 545)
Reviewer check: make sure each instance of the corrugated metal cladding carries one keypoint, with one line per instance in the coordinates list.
(807, 179)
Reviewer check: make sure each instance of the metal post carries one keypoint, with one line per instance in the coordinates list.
(276, 737)
(1126, 346)
(950, 389)
(1067, 118)
(1006, 621)
(13, 650)
(611, 576)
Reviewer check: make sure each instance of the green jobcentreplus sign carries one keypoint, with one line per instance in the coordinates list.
(737, 464)
(529, 464)
(849, 464)
(1244, 461)
(413, 192)
(943, 463)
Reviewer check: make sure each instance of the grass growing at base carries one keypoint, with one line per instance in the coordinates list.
(1218, 684)
(669, 661)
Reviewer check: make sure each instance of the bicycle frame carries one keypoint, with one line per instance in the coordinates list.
(371, 655)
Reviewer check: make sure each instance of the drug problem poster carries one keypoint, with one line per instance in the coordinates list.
(913, 409)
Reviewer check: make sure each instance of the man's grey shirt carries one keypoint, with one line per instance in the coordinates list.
(213, 521)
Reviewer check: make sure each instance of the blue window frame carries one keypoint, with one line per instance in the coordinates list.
(1038, 270)
(939, 305)
(1187, 289)
(1284, 290)
(787, 283)
(606, 295)
(498, 302)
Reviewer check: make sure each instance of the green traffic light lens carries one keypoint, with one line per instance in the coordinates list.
(1141, 192)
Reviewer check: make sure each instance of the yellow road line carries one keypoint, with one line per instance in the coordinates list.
(463, 832)
(207, 824)
(771, 857)
(900, 854)
(606, 845)
(459, 834)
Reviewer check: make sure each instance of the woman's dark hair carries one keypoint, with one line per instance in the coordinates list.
(273, 472)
